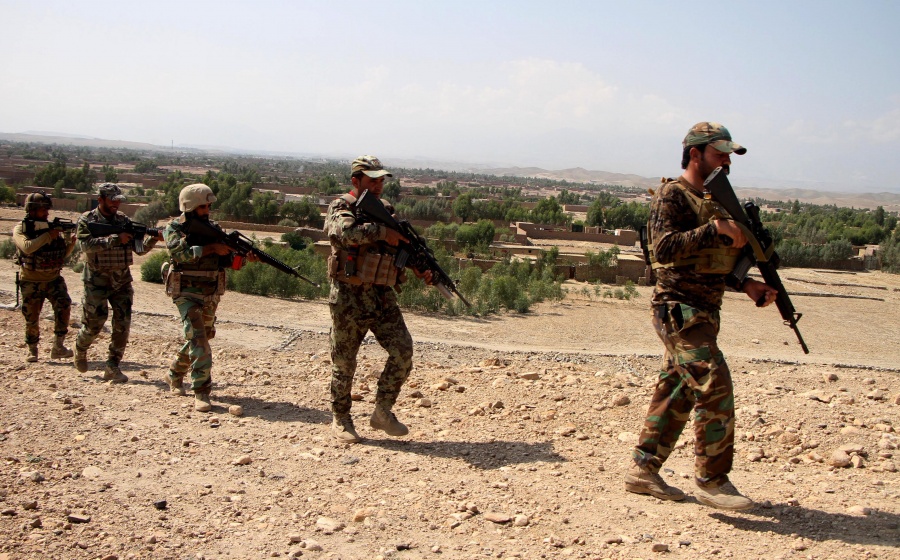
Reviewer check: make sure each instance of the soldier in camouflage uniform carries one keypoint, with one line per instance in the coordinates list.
(694, 245)
(107, 281)
(362, 299)
(41, 251)
(195, 279)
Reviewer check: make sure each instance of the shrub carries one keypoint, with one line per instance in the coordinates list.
(151, 214)
(295, 240)
(7, 249)
(150, 268)
(264, 280)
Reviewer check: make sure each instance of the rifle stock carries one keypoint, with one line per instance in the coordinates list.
(415, 252)
(759, 251)
(240, 244)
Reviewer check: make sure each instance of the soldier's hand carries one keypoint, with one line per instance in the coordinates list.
(394, 238)
(730, 229)
(125, 238)
(427, 276)
(758, 291)
(159, 236)
(54, 234)
(216, 248)
(252, 257)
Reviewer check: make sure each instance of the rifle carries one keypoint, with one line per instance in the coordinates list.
(17, 290)
(415, 252)
(61, 224)
(135, 230)
(759, 251)
(240, 244)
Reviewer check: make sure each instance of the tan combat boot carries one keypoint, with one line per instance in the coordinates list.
(114, 375)
(383, 419)
(81, 360)
(201, 402)
(342, 429)
(176, 384)
(32, 353)
(641, 480)
(725, 496)
(59, 349)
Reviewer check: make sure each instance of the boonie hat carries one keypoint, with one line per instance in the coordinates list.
(371, 166)
(111, 191)
(715, 135)
(193, 196)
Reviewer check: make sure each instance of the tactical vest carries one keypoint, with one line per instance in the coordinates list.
(714, 260)
(206, 273)
(49, 257)
(112, 258)
(369, 263)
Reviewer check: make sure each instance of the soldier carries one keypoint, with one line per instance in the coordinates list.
(195, 279)
(107, 281)
(362, 274)
(694, 244)
(41, 251)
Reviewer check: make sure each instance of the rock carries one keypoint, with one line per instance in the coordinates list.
(613, 540)
(859, 510)
(627, 437)
(529, 375)
(755, 455)
(521, 521)
(236, 410)
(789, 439)
(8, 512)
(160, 504)
(868, 381)
(830, 376)
(876, 395)
(424, 403)
(567, 430)
(30, 505)
(849, 430)
(495, 517)
(442, 386)
(91, 473)
(242, 460)
(896, 399)
(295, 539)
(76, 518)
(362, 514)
(660, 547)
(329, 525)
(621, 399)
(33, 476)
(839, 459)
(852, 448)
(311, 545)
(857, 462)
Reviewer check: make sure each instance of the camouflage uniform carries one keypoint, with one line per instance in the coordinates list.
(107, 283)
(357, 309)
(686, 317)
(196, 300)
(41, 260)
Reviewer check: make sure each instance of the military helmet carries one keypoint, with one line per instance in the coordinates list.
(37, 200)
(195, 195)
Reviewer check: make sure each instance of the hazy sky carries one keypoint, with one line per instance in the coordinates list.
(807, 86)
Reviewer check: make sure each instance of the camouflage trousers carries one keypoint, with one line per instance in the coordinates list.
(198, 319)
(33, 296)
(695, 376)
(350, 323)
(95, 310)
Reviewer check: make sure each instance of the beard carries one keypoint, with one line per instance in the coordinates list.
(194, 216)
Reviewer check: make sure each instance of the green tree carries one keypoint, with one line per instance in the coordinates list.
(463, 208)
(391, 190)
(110, 174)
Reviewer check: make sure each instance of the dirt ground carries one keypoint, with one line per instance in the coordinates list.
(521, 427)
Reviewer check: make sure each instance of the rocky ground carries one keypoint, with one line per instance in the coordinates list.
(521, 427)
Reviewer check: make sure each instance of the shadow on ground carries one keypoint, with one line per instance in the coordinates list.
(483, 455)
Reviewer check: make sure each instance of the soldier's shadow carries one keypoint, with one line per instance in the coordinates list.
(273, 411)
(479, 454)
(878, 528)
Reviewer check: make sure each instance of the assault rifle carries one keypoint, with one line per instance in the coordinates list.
(415, 252)
(135, 230)
(60, 224)
(759, 251)
(240, 244)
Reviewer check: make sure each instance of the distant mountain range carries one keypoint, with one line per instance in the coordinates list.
(827, 195)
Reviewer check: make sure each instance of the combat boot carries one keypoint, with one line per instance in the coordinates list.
(114, 375)
(342, 429)
(80, 359)
(59, 349)
(725, 496)
(641, 480)
(176, 384)
(32, 353)
(383, 419)
(201, 402)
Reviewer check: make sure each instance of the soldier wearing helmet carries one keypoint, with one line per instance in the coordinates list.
(195, 279)
(41, 250)
(107, 281)
(694, 244)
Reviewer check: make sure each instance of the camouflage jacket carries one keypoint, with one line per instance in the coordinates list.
(186, 253)
(675, 234)
(108, 259)
(343, 233)
(31, 243)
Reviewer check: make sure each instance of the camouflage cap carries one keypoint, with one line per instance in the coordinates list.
(715, 135)
(371, 166)
(111, 191)
(193, 196)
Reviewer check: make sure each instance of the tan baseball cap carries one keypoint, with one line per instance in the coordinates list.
(715, 135)
(371, 166)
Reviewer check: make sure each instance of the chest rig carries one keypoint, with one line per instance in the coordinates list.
(49, 257)
(369, 263)
(713, 260)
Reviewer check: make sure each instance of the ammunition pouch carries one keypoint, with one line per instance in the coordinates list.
(172, 280)
(369, 264)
